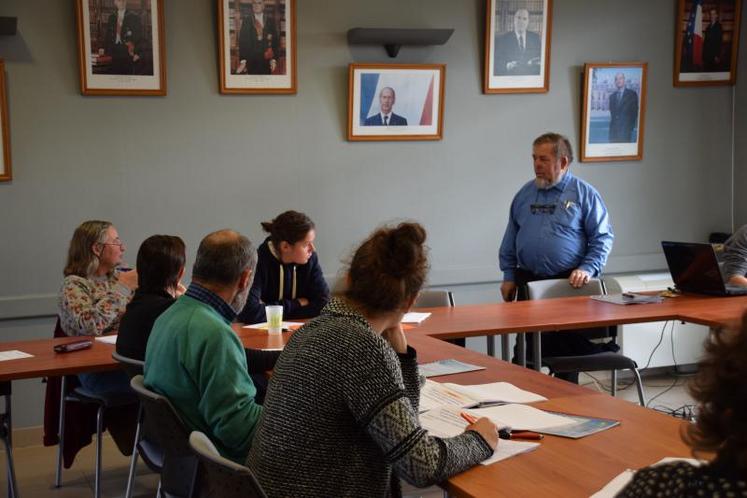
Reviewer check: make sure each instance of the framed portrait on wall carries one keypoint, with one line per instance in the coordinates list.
(396, 101)
(614, 107)
(517, 46)
(707, 42)
(5, 171)
(121, 47)
(257, 46)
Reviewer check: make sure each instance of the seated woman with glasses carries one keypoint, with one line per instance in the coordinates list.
(160, 267)
(341, 413)
(721, 428)
(92, 299)
(95, 293)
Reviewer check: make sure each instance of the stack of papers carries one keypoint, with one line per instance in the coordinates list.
(264, 326)
(446, 422)
(434, 394)
(414, 317)
(447, 367)
(628, 298)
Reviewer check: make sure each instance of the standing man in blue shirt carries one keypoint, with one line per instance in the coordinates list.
(558, 228)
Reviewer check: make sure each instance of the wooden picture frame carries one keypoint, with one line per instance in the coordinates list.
(407, 93)
(121, 54)
(707, 42)
(613, 111)
(5, 163)
(517, 46)
(259, 58)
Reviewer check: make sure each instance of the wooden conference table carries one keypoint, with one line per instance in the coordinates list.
(560, 467)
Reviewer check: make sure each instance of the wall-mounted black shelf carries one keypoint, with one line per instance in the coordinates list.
(394, 38)
(8, 25)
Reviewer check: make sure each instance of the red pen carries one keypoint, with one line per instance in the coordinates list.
(469, 418)
(526, 435)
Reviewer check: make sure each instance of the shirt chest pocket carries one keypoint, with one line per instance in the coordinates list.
(567, 216)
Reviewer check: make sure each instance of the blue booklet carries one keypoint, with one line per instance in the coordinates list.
(447, 367)
(583, 426)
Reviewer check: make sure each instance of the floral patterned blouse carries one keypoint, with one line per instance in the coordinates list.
(92, 306)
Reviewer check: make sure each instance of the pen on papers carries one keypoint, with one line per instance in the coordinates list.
(526, 435)
(469, 418)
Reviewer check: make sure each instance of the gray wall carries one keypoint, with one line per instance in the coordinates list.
(195, 161)
(740, 135)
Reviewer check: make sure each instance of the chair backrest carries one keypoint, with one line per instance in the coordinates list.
(548, 289)
(163, 426)
(131, 366)
(220, 476)
(432, 298)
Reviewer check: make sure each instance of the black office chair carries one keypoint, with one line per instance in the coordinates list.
(152, 453)
(220, 477)
(163, 427)
(545, 289)
(6, 433)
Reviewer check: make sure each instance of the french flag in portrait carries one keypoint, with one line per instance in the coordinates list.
(413, 92)
(694, 32)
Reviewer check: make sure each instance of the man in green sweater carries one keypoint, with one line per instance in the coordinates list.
(194, 358)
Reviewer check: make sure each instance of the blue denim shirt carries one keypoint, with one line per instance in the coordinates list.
(551, 231)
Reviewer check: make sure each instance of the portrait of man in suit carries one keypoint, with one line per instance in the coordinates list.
(385, 116)
(713, 39)
(123, 42)
(623, 107)
(258, 42)
(519, 51)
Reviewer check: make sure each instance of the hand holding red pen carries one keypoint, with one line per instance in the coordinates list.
(484, 427)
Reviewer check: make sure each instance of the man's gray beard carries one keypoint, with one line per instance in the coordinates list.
(238, 302)
(543, 184)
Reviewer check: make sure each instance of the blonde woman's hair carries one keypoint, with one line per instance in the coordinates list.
(81, 260)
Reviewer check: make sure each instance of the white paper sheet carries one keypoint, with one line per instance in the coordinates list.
(446, 422)
(521, 417)
(263, 325)
(497, 392)
(14, 354)
(414, 317)
(107, 339)
(434, 395)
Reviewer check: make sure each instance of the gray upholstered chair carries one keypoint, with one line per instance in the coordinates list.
(163, 427)
(151, 452)
(220, 477)
(433, 298)
(546, 289)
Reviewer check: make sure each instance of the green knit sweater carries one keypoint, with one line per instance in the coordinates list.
(194, 358)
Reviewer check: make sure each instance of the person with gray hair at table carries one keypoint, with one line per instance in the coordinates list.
(195, 359)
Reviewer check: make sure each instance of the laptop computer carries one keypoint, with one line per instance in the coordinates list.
(694, 268)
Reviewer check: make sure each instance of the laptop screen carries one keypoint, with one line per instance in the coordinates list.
(694, 267)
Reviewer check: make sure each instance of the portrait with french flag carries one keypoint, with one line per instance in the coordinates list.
(708, 31)
(395, 102)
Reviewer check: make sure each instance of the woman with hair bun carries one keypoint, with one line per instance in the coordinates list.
(341, 414)
(721, 428)
(288, 271)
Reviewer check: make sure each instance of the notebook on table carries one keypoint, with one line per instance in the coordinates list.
(694, 268)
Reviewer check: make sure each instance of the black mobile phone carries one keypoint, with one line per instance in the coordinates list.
(73, 346)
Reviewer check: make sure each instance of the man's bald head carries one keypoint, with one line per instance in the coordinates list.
(222, 257)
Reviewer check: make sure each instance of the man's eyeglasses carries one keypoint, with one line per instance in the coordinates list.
(542, 208)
